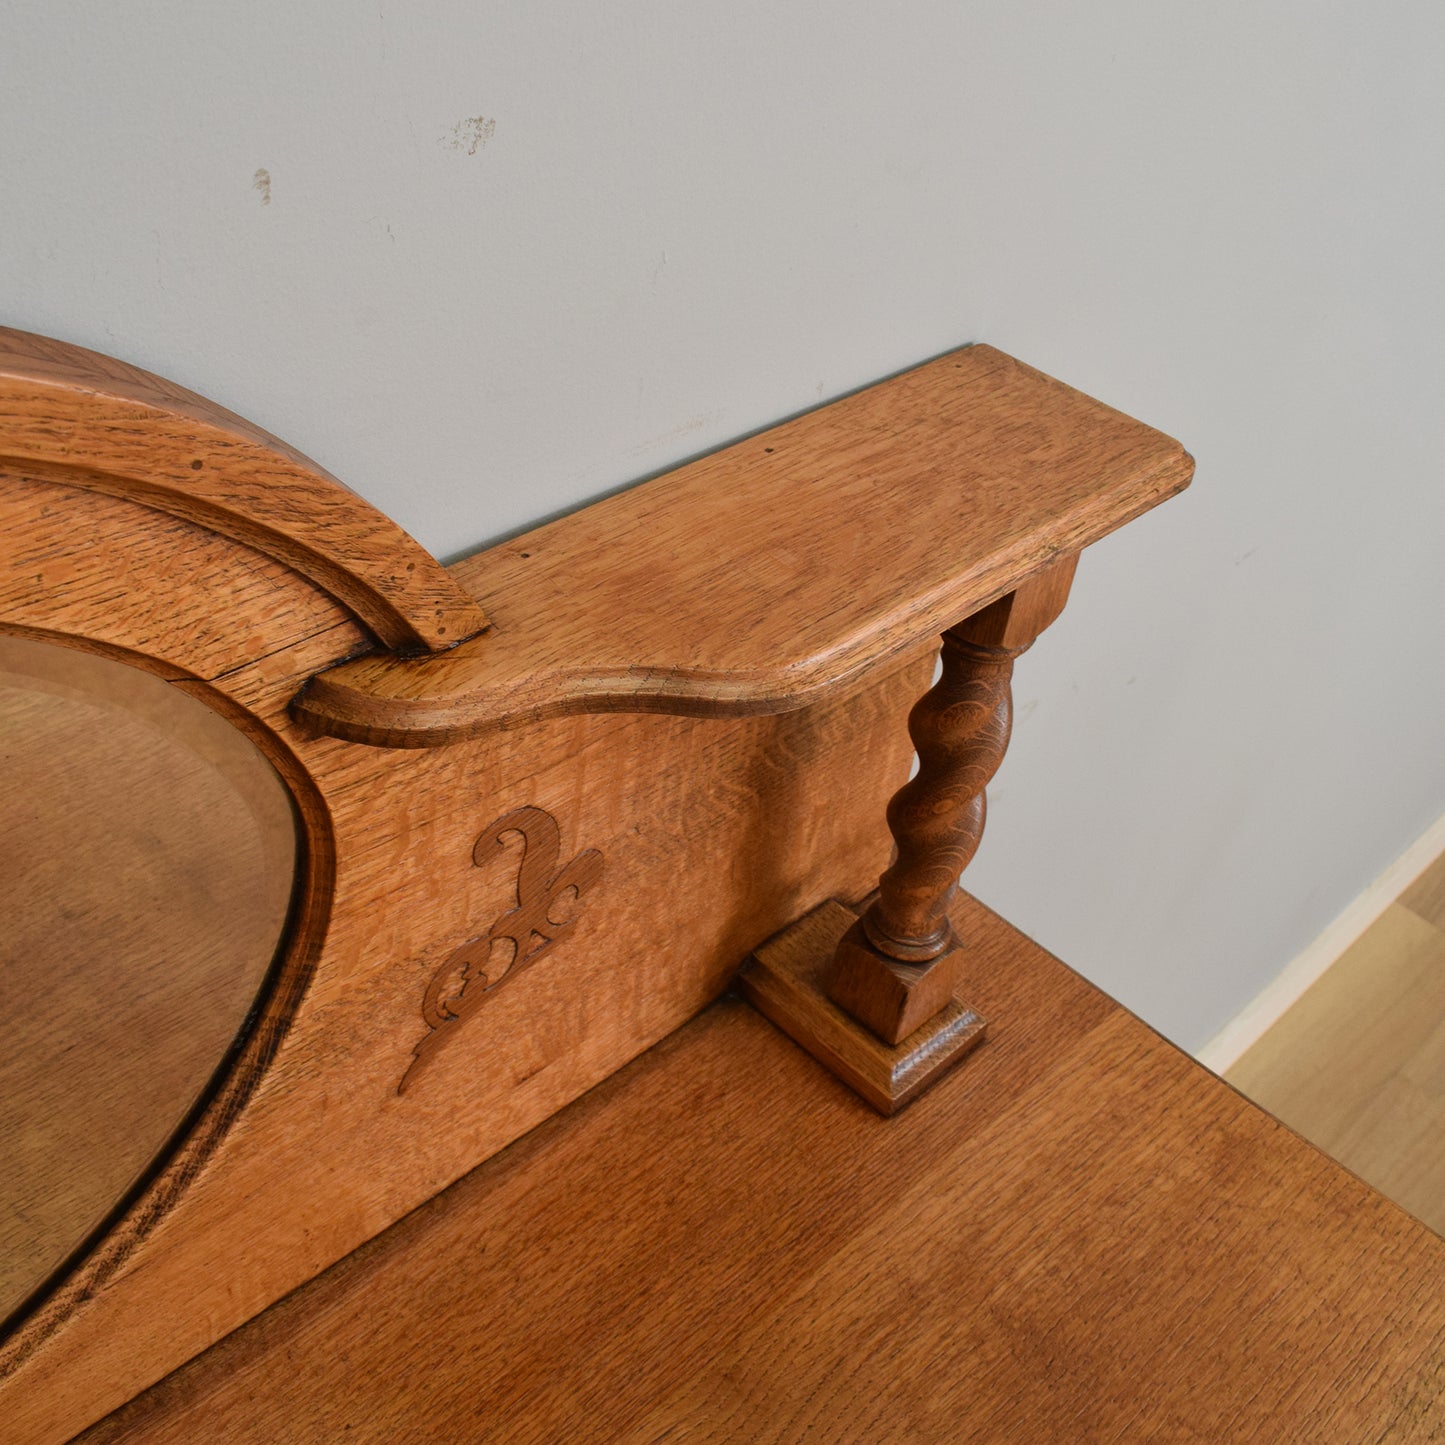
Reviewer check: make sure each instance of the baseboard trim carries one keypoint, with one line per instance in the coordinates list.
(1252, 1021)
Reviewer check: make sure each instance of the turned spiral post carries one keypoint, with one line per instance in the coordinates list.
(960, 729)
(896, 967)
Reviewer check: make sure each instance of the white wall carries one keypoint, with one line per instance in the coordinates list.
(518, 254)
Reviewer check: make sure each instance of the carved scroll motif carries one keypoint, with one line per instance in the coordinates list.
(471, 973)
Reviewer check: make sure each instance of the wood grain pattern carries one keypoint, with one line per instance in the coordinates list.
(323, 1153)
(148, 853)
(897, 966)
(200, 611)
(716, 834)
(853, 532)
(157, 590)
(526, 930)
(93, 422)
(960, 730)
(786, 981)
(1081, 1236)
(891, 997)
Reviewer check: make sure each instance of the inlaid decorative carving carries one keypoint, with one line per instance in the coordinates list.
(471, 973)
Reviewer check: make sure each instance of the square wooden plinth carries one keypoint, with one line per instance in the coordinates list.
(785, 980)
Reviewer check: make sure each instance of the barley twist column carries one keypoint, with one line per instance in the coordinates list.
(897, 966)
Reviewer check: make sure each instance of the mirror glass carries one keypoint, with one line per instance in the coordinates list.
(147, 849)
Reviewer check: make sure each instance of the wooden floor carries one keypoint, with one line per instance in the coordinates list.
(1357, 1065)
(1080, 1235)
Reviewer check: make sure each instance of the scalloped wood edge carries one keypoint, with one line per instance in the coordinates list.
(88, 420)
(768, 574)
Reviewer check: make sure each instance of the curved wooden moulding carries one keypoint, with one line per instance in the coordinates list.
(84, 569)
(768, 574)
(92, 422)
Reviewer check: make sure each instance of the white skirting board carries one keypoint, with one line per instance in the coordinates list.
(1266, 1007)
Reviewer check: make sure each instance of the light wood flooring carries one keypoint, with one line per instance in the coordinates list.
(1357, 1065)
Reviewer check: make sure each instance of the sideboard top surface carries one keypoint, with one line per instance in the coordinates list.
(1081, 1234)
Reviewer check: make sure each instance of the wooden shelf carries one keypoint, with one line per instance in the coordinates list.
(1081, 1235)
(762, 576)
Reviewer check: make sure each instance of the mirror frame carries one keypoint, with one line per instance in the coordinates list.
(189, 970)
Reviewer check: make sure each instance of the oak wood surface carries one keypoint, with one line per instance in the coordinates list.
(712, 834)
(852, 532)
(169, 596)
(786, 981)
(147, 851)
(325, 1152)
(897, 966)
(222, 622)
(1081, 1235)
(100, 424)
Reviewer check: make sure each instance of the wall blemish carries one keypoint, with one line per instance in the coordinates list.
(471, 134)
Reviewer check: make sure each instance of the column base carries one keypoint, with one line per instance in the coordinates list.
(786, 980)
(891, 998)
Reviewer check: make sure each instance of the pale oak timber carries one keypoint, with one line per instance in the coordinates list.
(323, 1153)
(1085, 1236)
(786, 980)
(106, 575)
(715, 833)
(102, 425)
(91, 571)
(853, 532)
(148, 855)
(896, 967)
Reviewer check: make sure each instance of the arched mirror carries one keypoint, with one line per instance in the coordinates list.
(148, 850)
